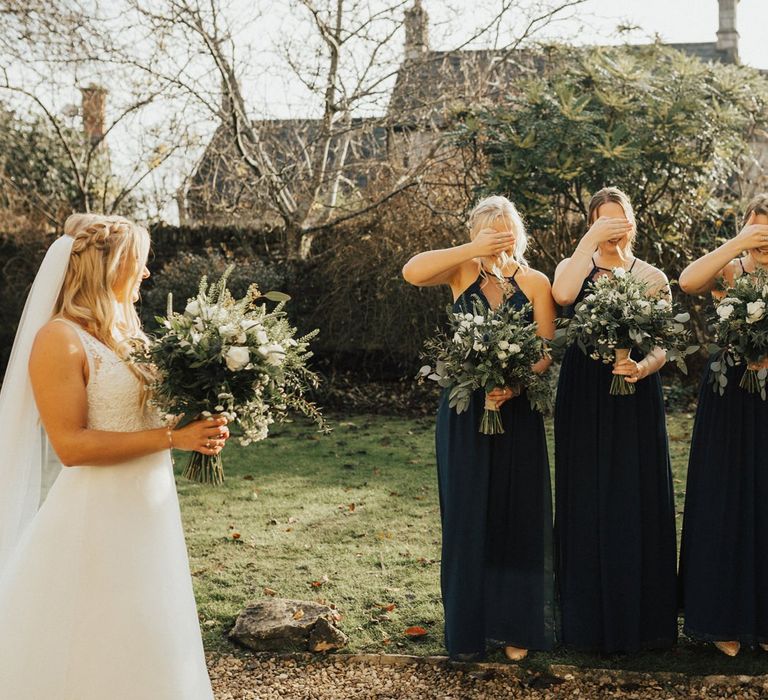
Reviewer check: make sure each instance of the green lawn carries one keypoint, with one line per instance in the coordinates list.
(352, 519)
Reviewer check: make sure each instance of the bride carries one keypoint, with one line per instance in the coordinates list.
(96, 597)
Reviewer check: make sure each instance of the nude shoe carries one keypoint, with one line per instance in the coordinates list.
(515, 653)
(728, 648)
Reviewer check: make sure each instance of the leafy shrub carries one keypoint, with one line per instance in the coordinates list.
(181, 276)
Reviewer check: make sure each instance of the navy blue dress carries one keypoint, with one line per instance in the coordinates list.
(724, 552)
(615, 546)
(496, 515)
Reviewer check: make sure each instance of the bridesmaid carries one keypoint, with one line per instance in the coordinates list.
(614, 504)
(495, 498)
(724, 554)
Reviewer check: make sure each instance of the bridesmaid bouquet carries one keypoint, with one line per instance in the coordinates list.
(740, 327)
(485, 349)
(616, 316)
(232, 357)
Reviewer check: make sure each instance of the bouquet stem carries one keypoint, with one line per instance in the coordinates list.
(620, 386)
(752, 381)
(205, 469)
(491, 421)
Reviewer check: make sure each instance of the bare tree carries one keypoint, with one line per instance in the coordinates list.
(63, 65)
(342, 160)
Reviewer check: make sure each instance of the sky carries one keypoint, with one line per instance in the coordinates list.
(678, 21)
(272, 91)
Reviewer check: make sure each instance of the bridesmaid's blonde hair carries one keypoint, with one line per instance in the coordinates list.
(490, 210)
(617, 196)
(107, 251)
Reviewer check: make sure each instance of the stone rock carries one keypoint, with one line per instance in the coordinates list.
(325, 636)
(280, 624)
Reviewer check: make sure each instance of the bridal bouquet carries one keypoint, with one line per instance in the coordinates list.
(486, 349)
(616, 316)
(232, 357)
(740, 327)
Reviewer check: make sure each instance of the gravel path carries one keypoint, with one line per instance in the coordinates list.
(263, 677)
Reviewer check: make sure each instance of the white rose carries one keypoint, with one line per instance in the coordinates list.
(724, 311)
(457, 338)
(514, 348)
(193, 308)
(662, 304)
(755, 311)
(469, 317)
(274, 354)
(232, 332)
(237, 357)
(479, 320)
(261, 337)
(503, 344)
(501, 355)
(619, 272)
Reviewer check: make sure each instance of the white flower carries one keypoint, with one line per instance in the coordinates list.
(193, 308)
(662, 304)
(196, 337)
(237, 357)
(261, 337)
(765, 291)
(755, 311)
(514, 348)
(503, 344)
(619, 272)
(246, 324)
(457, 338)
(478, 347)
(232, 333)
(274, 354)
(469, 317)
(724, 311)
(479, 320)
(501, 355)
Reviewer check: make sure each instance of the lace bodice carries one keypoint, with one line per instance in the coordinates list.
(114, 392)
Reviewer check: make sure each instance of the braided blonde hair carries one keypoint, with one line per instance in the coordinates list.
(107, 251)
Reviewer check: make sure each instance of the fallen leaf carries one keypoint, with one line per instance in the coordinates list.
(235, 535)
(415, 632)
(298, 614)
(389, 607)
(270, 592)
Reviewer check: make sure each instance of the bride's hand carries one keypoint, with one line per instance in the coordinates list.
(207, 436)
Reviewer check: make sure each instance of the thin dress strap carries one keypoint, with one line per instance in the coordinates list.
(741, 262)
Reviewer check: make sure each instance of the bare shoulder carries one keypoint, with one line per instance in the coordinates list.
(731, 271)
(536, 279)
(56, 343)
(650, 273)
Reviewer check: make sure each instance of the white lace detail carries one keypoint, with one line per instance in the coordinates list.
(114, 392)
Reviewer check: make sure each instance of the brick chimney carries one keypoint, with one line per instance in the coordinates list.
(94, 107)
(727, 34)
(416, 32)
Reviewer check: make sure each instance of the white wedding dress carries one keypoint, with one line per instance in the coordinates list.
(96, 601)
